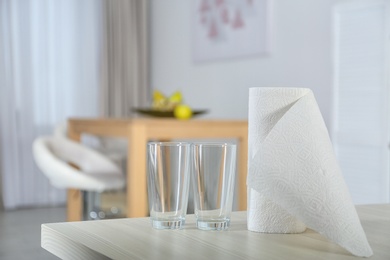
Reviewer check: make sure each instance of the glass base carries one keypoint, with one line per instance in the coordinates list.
(168, 224)
(213, 224)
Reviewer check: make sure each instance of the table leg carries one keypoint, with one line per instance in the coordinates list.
(74, 197)
(137, 200)
(74, 206)
(242, 171)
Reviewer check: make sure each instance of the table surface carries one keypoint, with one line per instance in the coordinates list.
(134, 238)
(138, 131)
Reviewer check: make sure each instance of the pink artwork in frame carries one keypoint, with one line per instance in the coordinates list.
(230, 28)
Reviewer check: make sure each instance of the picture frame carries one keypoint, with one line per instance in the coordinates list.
(224, 29)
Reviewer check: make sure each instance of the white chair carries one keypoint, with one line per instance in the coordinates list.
(114, 148)
(94, 174)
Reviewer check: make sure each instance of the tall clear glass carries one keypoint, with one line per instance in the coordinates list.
(213, 179)
(168, 183)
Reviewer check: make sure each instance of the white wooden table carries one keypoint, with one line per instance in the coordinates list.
(135, 239)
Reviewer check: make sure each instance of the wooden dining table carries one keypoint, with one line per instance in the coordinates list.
(138, 132)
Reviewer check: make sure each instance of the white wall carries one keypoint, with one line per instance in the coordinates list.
(300, 57)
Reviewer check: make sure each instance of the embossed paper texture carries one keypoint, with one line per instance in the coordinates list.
(294, 179)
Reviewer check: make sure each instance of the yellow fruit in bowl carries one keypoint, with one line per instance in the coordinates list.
(182, 112)
(158, 96)
(176, 97)
(159, 100)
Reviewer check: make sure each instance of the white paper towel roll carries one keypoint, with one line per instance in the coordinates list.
(293, 175)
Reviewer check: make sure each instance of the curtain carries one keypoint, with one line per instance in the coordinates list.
(61, 59)
(49, 71)
(124, 77)
(125, 67)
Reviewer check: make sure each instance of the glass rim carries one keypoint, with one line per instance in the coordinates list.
(168, 143)
(214, 144)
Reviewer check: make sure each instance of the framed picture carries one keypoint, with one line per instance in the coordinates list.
(230, 28)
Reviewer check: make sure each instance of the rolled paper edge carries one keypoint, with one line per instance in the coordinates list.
(265, 216)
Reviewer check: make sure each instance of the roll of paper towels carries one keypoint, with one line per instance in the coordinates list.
(294, 179)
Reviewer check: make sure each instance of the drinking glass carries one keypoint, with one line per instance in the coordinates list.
(168, 183)
(213, 178)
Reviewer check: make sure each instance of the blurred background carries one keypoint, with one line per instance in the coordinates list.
(95, 58)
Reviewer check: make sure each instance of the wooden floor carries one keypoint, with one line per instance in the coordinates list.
(20, 232)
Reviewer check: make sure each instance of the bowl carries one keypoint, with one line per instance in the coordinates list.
(165, 113)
